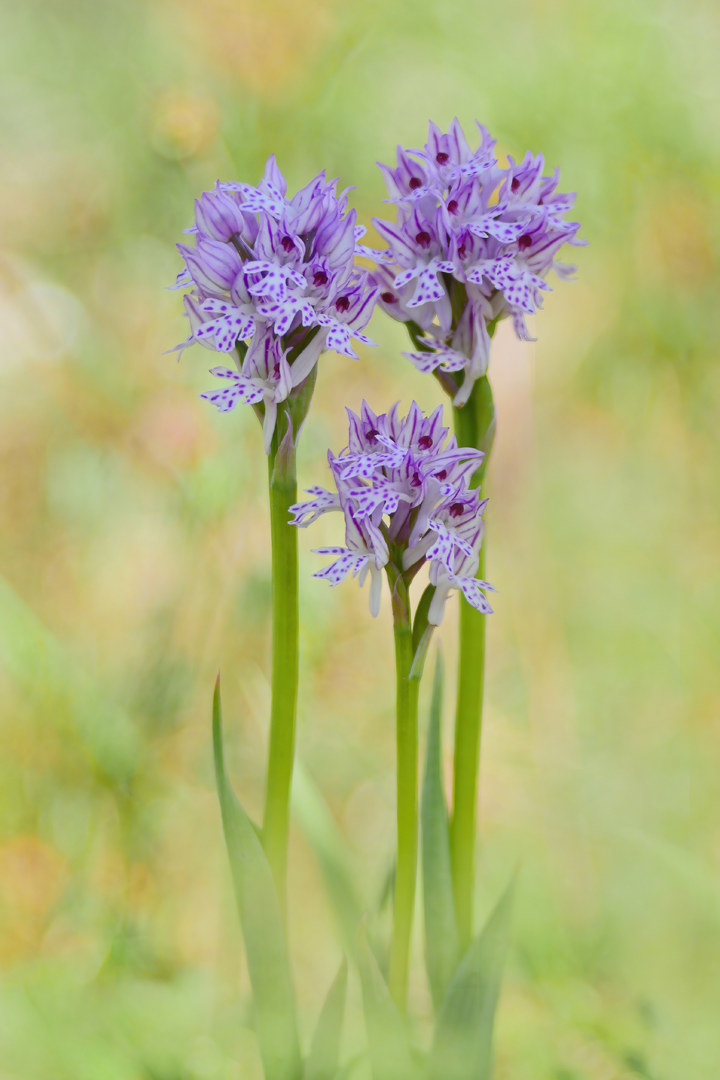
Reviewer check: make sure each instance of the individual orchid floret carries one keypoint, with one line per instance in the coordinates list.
(403, 488)
(408, 182)
(322, 501)
(418, 245)
(264, 263)
(216, 324)
(450, 157)
(366, 554)
(220, 216)
(265, 380)
(449, 526)
(395, 301)
(472, 244)
(349, 314)
(454, 556)
(444, 357)
(213, 266)
(462, 577)
(513, 276)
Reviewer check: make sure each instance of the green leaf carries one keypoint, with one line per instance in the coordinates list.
(442, 947)
(320, 830)
(420, 622)
(387, 1041)
(417, 336)
(421, 652)
(462, 1048)
(324, 1059)
(274, 999)
(422, 633)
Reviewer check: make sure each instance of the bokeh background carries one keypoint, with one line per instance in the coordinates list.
(134, 541)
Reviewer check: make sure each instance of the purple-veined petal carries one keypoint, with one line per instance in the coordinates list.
(393, 234)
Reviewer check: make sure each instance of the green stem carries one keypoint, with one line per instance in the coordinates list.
(407, 794)
(474, 426)
(285, 631)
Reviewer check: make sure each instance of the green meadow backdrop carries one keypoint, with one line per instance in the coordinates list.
(134, 549)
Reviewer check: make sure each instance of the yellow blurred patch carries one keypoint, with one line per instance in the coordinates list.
(672, 238)
(32, 877)
(183, 124)
(265, 45)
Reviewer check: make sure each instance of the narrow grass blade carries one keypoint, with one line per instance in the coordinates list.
(462, 1048)
(387, 1041)
(324, 1059)
(274, 1001)
(323, 836)
(442, 947)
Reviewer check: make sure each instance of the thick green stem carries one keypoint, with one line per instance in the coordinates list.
(474, 426)
(407, 796)
(285, 632)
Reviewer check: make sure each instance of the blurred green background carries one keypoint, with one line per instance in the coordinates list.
(134, 544)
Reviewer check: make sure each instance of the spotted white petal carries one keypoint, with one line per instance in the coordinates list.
(428, 288)
(305, 513)
(471, 590)
(378, 255)
(339, 570)
(406, 277)
(338, 340)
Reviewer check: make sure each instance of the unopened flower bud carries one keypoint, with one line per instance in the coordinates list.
(218, 216)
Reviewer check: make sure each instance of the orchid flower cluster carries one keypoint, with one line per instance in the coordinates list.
(280, 272)
(402, 487)
(472, 244)
(272, 281)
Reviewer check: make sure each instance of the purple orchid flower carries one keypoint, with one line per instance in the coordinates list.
(280, 271)
(462, 577)
(463, 219)
(401, 485)
(366, 551)
(265, 379)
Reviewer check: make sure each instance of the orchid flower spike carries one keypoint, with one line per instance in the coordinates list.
(273, 282)
(472, 243)
(402, 487)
